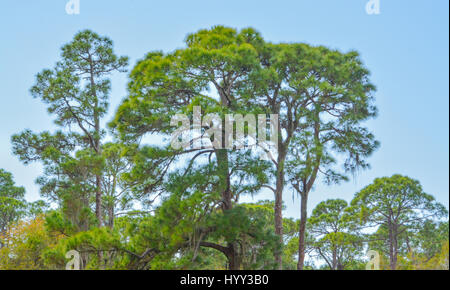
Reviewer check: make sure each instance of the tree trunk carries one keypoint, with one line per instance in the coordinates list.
(98, 177)
(279, 205)
(227, 203)
(279, 224)
(111, 217)
(233, 259)
(98, 150)
(97, 145)
(302, 230)
(391, 246)
(98, 200)
(395, 248)
(335, 262)
(2, 234)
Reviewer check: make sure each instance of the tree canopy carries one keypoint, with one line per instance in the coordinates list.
(143, 192)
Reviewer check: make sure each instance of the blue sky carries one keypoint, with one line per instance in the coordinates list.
(406, 47)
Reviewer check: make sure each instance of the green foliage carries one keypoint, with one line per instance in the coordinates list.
(127, 204)
(395, 205)
(335, 238)
(26, 243)
(76, 93)
(12, 201)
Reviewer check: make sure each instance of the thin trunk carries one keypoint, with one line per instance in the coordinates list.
(3, 235)
(302, 230)
(98, 177)
(307, 186)
(279, 203)
(98, 200)
(395, 248)
(334, 260)
(111, 207)
(111, 217)
(391, 246)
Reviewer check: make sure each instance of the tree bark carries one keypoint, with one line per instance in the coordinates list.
(111, 217)
(302, 230)
(335, 262)
(392, 261)
(279, 204)
(98, 200)
(97, 149)
(98, 177)
(394, 248)
(233, 258)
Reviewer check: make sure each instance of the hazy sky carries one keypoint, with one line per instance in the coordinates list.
(406, 47)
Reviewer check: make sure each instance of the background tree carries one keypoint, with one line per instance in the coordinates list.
(424, 247)
(335, 98)
(76, 91)
(12, 203)
(336, 239)
(209, 72)
(396, 203)
(429, 239)
(315, 90)
(26, 245)
(322, 97)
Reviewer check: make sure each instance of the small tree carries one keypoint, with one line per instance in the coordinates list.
(427, 247)
(396, 203)
(335, 238)
(12, 202)
(76, 91)
(26, 243)
(334, 98)
(429, 238)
